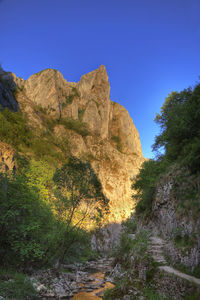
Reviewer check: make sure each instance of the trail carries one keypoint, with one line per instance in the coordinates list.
(156, 250)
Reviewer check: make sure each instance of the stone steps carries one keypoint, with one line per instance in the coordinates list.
(156, 250)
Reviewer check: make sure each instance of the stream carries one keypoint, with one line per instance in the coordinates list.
(95, 282)
(75, 281)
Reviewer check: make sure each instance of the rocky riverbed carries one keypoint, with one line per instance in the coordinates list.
(75, 281)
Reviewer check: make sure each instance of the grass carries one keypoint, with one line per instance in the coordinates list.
(195, 296)
(153, 295)
(130, 225)
(75, 125)
(184, 242)
(185, 269)
(16, 286)
(14, 130)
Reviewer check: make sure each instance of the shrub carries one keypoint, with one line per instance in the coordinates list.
(179, 142)
(117, 141)
(17, 286)
(69, 99)
(14, 129)
(75, 125)
(145, 185)
(130, 225)
(180, 128)
(29, 231)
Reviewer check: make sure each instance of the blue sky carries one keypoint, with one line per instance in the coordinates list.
(149, 47)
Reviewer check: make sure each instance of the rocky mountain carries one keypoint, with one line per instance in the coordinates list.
(83, 117)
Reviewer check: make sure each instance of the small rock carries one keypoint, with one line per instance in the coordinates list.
(100, 294)
(41, 288)
(131, 236)
(89, 290)
(126, 297)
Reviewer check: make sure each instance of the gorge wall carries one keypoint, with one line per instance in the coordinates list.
(106, 135)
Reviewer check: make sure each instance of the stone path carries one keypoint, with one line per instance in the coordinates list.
(180, 274)
(156, 250)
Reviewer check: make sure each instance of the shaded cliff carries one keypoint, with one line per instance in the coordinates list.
(82, 118)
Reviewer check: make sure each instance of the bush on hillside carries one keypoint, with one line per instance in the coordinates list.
(145, 185)
(29, 231)
(179, 141)
(75, 125)
(14, 129)
(180, 128)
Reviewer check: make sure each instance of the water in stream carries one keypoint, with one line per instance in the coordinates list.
(95, 284)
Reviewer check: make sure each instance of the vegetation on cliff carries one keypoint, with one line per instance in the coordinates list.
(50, 195)
(172, 177)
(179, 146)
(38, 221)
(49, 203)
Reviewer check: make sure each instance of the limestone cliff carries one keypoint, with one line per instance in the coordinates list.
(176, 219)
(180, 226)
(111, 142)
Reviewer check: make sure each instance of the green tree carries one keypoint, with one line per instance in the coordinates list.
(39, 175)
(179, 142)
(145, 185)
(180, 128)
(28, 229)
(79, 196)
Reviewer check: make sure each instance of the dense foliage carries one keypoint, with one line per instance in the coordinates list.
(28, 229)
(16, 286)
(40, 143)
(80, 198)
(39, 206)
(14, 129)
(145, 185)
(180, 128)
(179, 145)
(45, 204)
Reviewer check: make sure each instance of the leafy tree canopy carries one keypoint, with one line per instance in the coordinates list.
(179, 141)
(180, 128)
(78, 183)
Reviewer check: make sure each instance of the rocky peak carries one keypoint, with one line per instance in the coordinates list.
(95, 86)
(112, 141)
(123, 131)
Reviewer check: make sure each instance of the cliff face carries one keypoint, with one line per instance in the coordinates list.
(112, 142)
(176, 219)
(181, 228)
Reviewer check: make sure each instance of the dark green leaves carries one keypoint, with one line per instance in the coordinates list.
(80, 180)
(180, 128)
